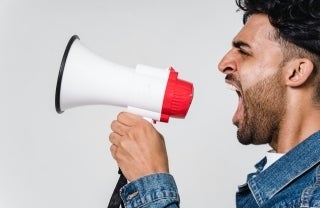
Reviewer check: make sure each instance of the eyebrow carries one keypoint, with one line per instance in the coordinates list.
(239, 44)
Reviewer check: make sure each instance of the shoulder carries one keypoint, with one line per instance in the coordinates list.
(304, 191)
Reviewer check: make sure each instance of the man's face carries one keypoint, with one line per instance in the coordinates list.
(253, 69)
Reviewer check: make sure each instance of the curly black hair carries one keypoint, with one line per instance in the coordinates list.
(296, 21)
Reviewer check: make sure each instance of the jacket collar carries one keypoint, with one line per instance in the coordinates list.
(264, 185)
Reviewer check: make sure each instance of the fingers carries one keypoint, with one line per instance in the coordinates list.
(114, 138)
(121, 125)
(120, 128)
(124, 122)
(113, 150)
(128, 119)
(137, 147)
(122, 134)
(118, 146)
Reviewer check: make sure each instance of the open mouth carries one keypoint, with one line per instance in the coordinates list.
(238, 115)
(233, 88)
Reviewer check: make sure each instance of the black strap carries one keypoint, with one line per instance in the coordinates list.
(116, 201)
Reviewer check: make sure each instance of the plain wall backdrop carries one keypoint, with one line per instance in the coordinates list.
(49, 160)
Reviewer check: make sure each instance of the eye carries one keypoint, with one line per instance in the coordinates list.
(243, 52)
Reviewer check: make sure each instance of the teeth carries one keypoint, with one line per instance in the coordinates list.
(231, 87)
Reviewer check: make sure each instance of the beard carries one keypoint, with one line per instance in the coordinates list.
(264, 107)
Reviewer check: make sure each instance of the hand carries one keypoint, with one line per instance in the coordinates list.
(137, 146)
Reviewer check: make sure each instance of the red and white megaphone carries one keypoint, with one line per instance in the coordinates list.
(87, 79)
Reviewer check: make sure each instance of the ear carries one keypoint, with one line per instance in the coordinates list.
(298, 71)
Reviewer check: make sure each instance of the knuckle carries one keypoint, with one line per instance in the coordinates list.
(113, 151)
(120, 116)
(111, 137)
(113, 125)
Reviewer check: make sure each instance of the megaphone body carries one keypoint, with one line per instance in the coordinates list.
(87, 79)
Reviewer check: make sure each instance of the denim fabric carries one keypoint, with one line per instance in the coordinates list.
(156, 190)
(292, 181)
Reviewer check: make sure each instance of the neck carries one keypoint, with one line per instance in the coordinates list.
(301, 120)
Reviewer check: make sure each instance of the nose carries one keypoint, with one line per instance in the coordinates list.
(227, 64)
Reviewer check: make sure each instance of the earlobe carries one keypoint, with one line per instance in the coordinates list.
(299, 72)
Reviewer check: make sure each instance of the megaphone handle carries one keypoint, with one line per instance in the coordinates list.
(115, 200)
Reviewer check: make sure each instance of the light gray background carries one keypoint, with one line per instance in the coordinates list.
(49, 160)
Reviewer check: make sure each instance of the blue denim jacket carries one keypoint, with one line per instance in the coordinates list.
(156, 190)
(292, 181)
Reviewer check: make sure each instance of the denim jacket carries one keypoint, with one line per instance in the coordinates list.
(156, 190)
(292, 181)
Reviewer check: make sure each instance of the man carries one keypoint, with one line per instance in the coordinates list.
(273, 66)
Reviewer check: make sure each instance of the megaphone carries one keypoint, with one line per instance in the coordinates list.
(87, 79)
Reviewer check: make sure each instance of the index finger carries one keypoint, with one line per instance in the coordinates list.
(128, 119)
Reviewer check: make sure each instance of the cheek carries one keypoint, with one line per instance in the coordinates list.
(268, 94)
(254, 76)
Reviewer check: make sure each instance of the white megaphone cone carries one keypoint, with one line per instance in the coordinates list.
(87, 79)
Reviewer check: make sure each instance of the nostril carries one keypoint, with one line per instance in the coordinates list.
(228, 70)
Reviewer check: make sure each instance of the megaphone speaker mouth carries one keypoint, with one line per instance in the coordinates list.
(62, 65)
(85, 78)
